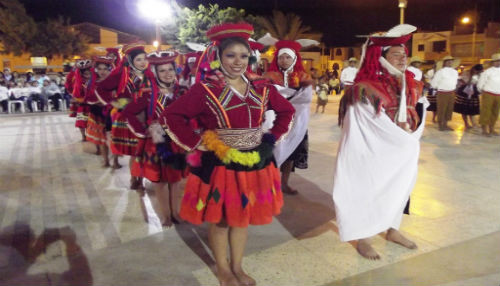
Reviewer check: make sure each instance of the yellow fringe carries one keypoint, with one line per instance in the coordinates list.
(227, 154)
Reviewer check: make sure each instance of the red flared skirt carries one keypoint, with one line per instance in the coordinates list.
(150, 166)
(239, 197)
(96, 129)
(73, 109)
(123, 141)
(82, 115)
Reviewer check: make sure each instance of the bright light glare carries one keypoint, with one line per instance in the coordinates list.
(156, 9)
(155, 44)
(402, 3)
(465, 20)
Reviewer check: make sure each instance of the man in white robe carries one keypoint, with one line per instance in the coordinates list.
(378, 153)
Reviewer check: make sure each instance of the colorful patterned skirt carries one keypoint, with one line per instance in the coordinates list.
(149, 164)
(96, 126)
(237, 194)
(123, 141)
(82, 115)
(73, 109)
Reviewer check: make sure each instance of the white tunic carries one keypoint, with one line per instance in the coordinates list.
(376, 171)
(445, 79)
(490, 80)
(417, 72)
(347, 76)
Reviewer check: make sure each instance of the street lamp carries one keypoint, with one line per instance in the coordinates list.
(157, 10)
(402, 6)
(467, 20)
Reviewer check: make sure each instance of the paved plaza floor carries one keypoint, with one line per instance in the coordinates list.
(65, 220)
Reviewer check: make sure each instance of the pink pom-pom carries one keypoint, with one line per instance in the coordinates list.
(194, 158)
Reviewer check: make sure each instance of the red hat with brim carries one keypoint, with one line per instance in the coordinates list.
(256, 45)
(162, 57)
(136, 46)
(103, 60)
(230, 30)
(288, 44)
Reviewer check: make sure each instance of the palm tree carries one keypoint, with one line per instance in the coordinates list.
(284, 26)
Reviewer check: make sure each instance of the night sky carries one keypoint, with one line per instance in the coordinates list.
(338, 20)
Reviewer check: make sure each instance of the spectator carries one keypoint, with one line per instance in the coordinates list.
(35, 94)
(4, 97)
(51, 91)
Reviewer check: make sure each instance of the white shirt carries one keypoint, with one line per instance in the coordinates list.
(490, 80)
(429, 75)
(416, 71)
(445, 79)
(347, 76)
(18, 92)
(4, 93)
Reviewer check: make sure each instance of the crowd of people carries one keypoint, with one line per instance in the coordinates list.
(36, 91)
(236, 135)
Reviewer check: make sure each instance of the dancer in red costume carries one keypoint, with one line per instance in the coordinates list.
(233, 182)
(76, 85)
(125, 85)
(158, 158)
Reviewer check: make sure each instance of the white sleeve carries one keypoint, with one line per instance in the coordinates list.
(436, 79)
(482, 80)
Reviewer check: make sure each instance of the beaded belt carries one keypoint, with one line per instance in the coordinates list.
(241, 138)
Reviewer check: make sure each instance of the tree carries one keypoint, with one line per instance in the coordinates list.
(192, 25)
(284, 26)
(57, 37)
(16, 27)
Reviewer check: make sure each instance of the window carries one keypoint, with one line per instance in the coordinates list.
(338, 52)
(439, 46)
(421, 48)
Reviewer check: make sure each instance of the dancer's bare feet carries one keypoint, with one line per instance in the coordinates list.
(106, 165)
(244, 279)
(288, 190)
(395, 236)
(366, 250)
(166, 221)
(227, 278)
(116, 166)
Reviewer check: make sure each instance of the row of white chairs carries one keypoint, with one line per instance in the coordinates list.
(11, 107)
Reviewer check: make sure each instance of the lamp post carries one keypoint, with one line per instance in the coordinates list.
(156, 10)
(402, 6)
(467, 20)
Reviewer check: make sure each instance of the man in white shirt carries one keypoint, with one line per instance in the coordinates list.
(445, 82)
(489, 86)
(4, 97)
(349, 73)
(414, 67)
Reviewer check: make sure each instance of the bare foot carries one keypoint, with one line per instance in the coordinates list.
(244, 279)
(366, 250)
(135, 184)
(116, 166)
(227, 278)
(396, 237)
(166, 222)
(288, 190)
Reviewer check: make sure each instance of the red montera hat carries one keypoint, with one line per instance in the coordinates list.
(136, 46)
(162, 57)
(83, 64)
(370, 67)
(256, 45)
(103, 60)
(229, 30)
(113, 51)
(295, 46)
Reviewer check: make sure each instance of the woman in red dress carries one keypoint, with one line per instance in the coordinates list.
(158, 158)
(233, 179)
(125, 85)
(96, 124)
(76, 85)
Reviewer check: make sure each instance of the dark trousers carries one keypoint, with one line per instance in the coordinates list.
(55, 100)
(38, 99)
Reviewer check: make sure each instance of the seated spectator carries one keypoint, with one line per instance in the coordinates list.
(35, 94)
(4, 97)
(51, 91)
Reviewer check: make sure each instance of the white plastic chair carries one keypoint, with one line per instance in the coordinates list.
(12, 103)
